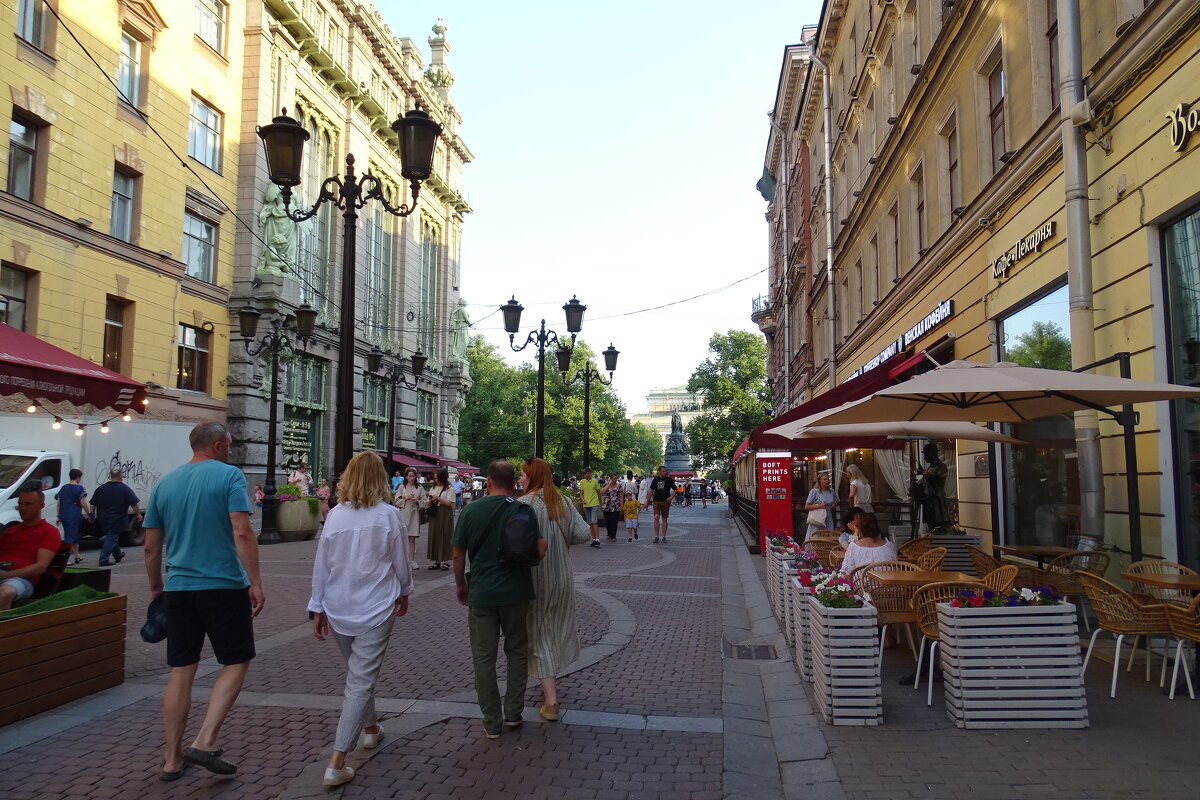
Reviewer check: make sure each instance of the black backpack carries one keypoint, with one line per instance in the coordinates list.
(518, 536)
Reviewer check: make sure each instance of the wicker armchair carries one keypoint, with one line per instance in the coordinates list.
(1119, 613)
(822, 548)
(924, 605)
(836, 555)
(1001, 579)
(915, 547)
(1185, 626)
(827, 533)
(931, 560)
(983, 563)
(1179, 597)
(893, 604)
(1060, 574)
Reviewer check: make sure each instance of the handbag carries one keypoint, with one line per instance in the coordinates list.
(818, 517)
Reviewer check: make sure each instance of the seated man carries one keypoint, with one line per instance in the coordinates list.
(29, 546)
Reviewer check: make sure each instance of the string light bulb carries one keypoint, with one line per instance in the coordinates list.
(57, 424)
(127, 417)
(146, 401)
(104, 427)
(31, 409)
(79, 430)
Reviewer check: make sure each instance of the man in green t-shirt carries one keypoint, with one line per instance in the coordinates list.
(497, 598)
(589, 492)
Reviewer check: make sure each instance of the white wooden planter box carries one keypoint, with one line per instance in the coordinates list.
(1012, 667)
(800, 636)
(845, 664)
(788, 602)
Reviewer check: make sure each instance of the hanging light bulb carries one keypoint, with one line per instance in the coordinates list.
(127, 417)
(79, 430)
(146, 401)
(57, 424)
(104, 427)
(31, 409)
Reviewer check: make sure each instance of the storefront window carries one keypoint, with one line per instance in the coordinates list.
(1040, 478)
(1181, 253)
(303, 417)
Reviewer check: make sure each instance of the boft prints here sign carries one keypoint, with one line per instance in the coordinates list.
(1022, 248)
(774, 495)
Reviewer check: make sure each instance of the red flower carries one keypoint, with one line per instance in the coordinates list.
(956, 603)
(976, 601)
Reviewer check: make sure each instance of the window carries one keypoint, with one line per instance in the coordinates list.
(954, 178)
(14, 289)
(376, 393)
(316, 235)
(1181, 258)
(427, 317)
(210, 23)
(426, 416)
(893, 222)
(129, 70)
(124, 193)
(23, 140)
(919, 229)
(204, 134)
(114, 332)
(996, 90)
(31, 23)
(193, 359)
(199, 246)
(379, 271)
(1052, 51)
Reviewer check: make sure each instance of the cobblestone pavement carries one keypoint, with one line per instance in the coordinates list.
(653, 709)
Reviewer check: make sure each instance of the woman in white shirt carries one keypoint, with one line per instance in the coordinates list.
(870, 548)
(860, 490)
(361, 583)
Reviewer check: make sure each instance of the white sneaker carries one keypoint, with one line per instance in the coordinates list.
(336, 777)
(414, 565)
(371, 740)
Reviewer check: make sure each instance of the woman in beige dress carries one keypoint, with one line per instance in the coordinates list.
(441, 521)
(553, 639)
(410, 498)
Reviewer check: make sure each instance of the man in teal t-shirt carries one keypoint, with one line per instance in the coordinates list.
(201, 511)
(589, 493)
(497, 598)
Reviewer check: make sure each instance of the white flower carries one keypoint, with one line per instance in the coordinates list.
(866, 596)
(1028, 594)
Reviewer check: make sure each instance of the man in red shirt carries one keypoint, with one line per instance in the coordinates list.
(29, 546)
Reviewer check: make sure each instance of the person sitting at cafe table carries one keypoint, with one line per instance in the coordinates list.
(28, 546)
(870, 548)
(850, 534)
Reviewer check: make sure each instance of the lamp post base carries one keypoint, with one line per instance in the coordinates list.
(270, 521)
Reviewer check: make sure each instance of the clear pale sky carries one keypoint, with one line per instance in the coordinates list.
(616, 151)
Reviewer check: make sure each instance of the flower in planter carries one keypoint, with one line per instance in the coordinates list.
(1040, 596)
(834, 590)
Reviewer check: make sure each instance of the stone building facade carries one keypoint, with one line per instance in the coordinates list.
(951, 235)
(341, 71)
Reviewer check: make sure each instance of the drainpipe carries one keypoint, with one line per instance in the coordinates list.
(1079, 271)
(830, 304)
(787, 270)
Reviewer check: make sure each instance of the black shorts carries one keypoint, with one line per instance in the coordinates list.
(221, 614)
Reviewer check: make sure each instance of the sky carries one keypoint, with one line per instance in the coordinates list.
(616, 150)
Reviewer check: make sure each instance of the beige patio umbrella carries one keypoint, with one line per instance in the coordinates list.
(967, 391)
(901, 430)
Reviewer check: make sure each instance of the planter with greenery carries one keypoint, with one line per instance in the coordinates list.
(844, 641)
(298, 516)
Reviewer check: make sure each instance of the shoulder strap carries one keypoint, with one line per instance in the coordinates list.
(491, 525)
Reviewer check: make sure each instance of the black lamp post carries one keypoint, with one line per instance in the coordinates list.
(284, 141)
(587, 375)
(395, 376)
(541, 337)
(274, 342)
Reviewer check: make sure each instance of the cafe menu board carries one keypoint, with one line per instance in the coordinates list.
(774, 481)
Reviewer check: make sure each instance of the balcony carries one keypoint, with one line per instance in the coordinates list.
(763, 314)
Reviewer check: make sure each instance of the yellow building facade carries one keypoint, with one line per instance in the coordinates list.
(117, 113)
(950, 235)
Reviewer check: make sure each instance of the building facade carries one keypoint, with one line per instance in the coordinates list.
(340, 70)
(951, 232)
(104, 173)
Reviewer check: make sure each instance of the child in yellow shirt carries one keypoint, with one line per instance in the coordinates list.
(631, 516)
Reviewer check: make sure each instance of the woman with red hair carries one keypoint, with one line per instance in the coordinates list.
(553, 639)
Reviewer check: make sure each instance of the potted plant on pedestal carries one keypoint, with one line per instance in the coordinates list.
(298, 515)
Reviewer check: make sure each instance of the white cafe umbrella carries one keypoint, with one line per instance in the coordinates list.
(967, 391)
(907, 430)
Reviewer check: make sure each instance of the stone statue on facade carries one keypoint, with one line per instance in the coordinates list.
(675, 454)
(278, 233)
(456, 409)
(460, 328)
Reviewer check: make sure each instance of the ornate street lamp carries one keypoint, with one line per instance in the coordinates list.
(541, 337)
(395, 376)
(283, 141)
(587, 375)
(273, 342)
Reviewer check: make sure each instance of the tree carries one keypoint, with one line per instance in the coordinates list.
(495, 420)
(1043, 345)
(736, 397)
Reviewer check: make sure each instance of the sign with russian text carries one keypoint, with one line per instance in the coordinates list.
(774, 496)
(1022, 248)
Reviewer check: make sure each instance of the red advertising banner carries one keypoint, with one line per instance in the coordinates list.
(774, 496)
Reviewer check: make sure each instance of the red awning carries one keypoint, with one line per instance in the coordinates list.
(854, 389)
(463, 469)
(41, 371)
(424, 455)
(405, 460)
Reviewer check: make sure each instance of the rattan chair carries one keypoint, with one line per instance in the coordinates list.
(1001, 579)
(915, 547)
(983, 563)
(893, 604)
(836, 555)
(1185, 627)
(1159, 594)
(1119, 613)
(822, 548)
(826, 533)
(1060, 574)
(924, 605)
(931, 560)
